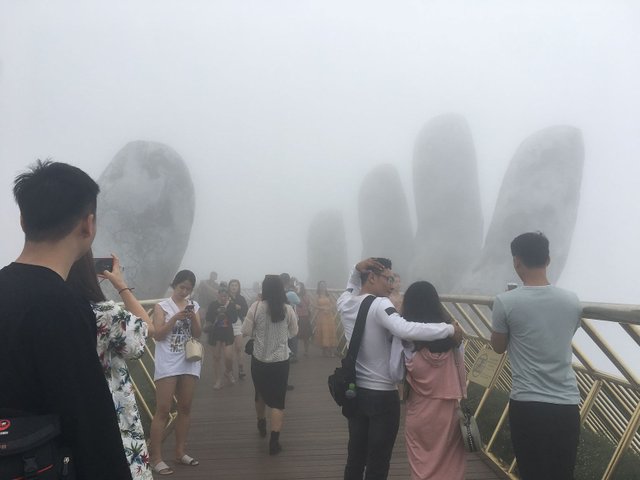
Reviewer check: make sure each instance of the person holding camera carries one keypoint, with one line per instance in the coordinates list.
(176, 320)
(221, 315)
(122, 335)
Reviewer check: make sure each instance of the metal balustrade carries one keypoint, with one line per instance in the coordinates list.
(610, 400)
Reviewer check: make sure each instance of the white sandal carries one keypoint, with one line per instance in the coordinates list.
(187, 460)
(162, 468)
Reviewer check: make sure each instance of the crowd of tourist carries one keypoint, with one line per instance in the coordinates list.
(65, 349)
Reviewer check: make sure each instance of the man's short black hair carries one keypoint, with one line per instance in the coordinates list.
(286, 279)
(53, 197)
(385, 262)
(532, 248)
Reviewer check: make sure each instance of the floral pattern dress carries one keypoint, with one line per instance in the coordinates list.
(121, 337)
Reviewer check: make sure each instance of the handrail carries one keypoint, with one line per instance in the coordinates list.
(609, 406)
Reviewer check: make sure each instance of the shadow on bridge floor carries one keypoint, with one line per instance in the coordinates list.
(224, 437)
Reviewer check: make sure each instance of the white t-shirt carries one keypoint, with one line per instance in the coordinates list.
(382, 323)
(170, 359)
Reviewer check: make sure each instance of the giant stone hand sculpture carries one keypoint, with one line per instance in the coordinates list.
(540, 191)
(447, 196)
(384, 218)
(327, 249)
(145, 213)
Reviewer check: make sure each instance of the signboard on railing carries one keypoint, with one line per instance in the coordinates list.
(485, 367)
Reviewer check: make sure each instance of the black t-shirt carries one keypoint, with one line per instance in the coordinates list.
(221, 316)
(48, 364)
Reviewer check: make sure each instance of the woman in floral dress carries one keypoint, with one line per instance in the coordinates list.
(122, 334)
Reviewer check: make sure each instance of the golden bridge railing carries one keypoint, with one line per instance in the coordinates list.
(610, 400)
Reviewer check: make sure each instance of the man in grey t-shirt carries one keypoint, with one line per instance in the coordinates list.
(535, 324)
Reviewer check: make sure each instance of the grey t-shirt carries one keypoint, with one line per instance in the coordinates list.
(540, 323)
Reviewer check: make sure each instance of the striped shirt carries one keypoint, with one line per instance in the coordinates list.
(270, 338)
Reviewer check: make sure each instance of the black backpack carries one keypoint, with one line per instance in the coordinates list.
(29, 448)
(345, 375)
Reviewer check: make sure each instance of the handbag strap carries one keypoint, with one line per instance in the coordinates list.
(358, 329)
(462, 402)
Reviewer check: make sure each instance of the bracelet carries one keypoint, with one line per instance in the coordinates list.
(131, 289)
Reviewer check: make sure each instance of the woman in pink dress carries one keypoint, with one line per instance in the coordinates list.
(436, 377)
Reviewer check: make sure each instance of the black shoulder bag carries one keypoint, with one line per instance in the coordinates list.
(344, 376)
(29, 448)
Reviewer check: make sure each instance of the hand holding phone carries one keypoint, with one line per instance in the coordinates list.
(103, 263)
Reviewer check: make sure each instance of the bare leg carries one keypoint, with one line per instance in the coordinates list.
(185, 389)
(228, 358)
(237, 346)
(277, 419)
(260, 407)
(165, 388)
(217, 357)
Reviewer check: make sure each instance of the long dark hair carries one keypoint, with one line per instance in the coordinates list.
(422, 304)
(83, 279)
(273, 293)
(184, 275)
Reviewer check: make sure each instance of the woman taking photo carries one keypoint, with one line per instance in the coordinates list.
(176, 320)
(270, 322)
(240, 304)
(122, 335)
(325, 321)
(437, 379)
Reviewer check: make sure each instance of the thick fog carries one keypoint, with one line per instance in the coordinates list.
(280, 109)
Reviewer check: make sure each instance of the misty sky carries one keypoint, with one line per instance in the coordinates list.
(280, 107)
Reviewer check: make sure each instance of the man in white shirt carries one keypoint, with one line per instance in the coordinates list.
(374, 426)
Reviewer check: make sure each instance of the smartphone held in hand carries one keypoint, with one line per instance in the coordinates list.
(103, 264)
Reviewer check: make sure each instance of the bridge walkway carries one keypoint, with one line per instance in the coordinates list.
(225, 440)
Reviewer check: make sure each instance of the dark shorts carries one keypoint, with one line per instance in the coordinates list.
(270, 381)
(224, 334)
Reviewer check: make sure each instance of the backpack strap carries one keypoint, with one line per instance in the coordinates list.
(358, 329)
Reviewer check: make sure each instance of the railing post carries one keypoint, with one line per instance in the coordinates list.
(624, 443)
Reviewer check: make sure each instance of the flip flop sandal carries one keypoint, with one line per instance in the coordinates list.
(162, 468)
(187, 460)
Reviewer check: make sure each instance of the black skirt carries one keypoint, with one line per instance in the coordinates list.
(270, 381)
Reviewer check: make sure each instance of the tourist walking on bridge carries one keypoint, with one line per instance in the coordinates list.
(122, 336)
(49, 361)
(374, 424)
(535, 324)
(325, 321)
(175, 320)
(240, 304)
(437, 381)
(270, 321)
(221, 315)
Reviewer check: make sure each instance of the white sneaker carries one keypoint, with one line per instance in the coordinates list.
(218, 385)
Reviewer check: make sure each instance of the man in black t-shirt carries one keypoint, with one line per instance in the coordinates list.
(48, 360)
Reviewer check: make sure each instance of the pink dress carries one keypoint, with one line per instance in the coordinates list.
(432, 429)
